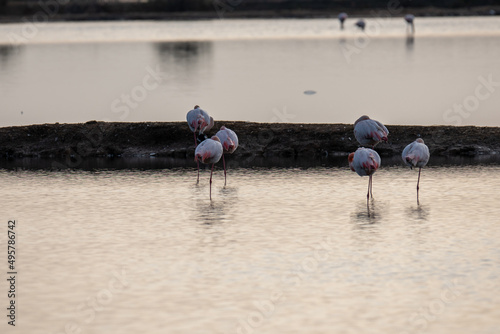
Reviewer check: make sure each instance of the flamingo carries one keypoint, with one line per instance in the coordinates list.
(369, 132)
(342, 17)
(365, 162)
(209, 152)
(416, 154)
(199, 121)
(229, 141)
(361, 24)
(409, 19)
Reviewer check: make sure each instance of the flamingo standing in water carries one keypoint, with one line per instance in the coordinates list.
(209, 152)
(342, 17)
(369, 132)
(416, 154)
(229, 141)
(361, 24)
(409, 19)
(365, 162)
(199, 121)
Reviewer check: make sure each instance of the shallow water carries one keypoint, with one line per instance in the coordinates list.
(255, 70)
(278, 250)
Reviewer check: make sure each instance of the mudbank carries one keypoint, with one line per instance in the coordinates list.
(174, 139)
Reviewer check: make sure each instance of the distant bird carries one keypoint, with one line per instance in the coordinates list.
(229, 141)
(199, 121)
(342, 17)
(365, 162)
(369, 132)
(361, 24)
(209, 152)
(416, 154)
(409, 19)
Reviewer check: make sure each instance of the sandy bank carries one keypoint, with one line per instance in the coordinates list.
(267, 140)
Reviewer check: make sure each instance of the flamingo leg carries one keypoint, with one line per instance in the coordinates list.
(211, 181)
(418, 182)
(369, 183)
(224, 163)
(198, 164)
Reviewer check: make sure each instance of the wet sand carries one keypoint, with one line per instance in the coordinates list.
(267, 140)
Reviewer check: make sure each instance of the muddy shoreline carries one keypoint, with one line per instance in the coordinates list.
(73, 143)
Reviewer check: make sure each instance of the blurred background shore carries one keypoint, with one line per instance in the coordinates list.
(61, 10)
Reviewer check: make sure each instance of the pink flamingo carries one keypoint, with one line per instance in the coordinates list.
(209, 152)
(365, 162)
(369, 132)
(342, 17)
(416, 154)
(199, 121)
(409, 19)
(361, 24)
(229, 141)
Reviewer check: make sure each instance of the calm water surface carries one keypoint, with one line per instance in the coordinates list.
(276, 251)
(255, 70)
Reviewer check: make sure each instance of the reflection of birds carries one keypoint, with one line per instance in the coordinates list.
(369, 132)
(365, 162)
(416, 154)
(361, 24)
(410, 40)
(342, 17)
(209, 152)
(229, 141)
(199, 121)
(409, 19)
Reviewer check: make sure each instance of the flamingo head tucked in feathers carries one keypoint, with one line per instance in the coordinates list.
(420, 140)
(362, 118)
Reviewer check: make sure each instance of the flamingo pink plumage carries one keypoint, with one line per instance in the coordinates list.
(229, 141)
(209, 152)
(199, 121)
(369, 132)
(365, 162)
(416, 154)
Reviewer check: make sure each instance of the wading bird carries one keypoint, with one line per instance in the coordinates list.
(199, 121)
(361, 24)
(416, 154)
(342, 17)
(409, 19)
(369, 132)
(229, 141)
(209, 152)
(365, 162)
